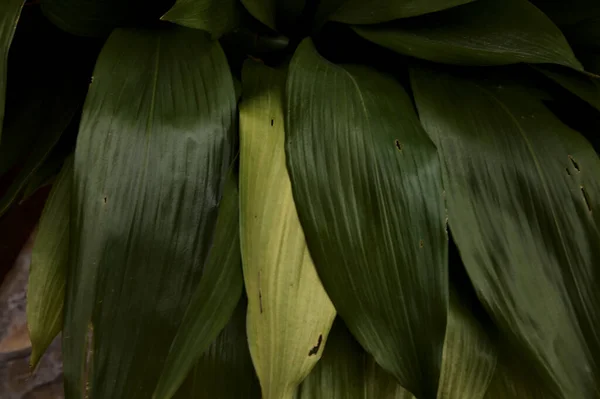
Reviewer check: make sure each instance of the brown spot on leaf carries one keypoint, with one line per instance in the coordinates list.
(260, 302)
(421, 244)
(315, 348)
(569, 173)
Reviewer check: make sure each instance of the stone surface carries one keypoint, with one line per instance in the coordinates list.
(16, 380)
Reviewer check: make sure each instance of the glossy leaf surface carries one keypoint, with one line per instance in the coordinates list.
(154, 146)
(367, 183)
(49, 264)
(289, 313)
(522, 191)
(484, 32)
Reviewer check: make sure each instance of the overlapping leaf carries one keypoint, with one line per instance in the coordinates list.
(367, 183)
(484, 32)
(375, 11)
(289, 313)
(49, 263)
(522, 191)
(346, 371)
(153, 149)
(214, 16)
(213, 301)
(9, 15)
(225, 369)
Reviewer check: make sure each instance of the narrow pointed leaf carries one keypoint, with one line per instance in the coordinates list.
(276, 14)
(48, 270)
(289, 313)
(214, 16)
(225, 369)
(469, 358)
(583, 86)
(376, 11)
(153, 149)
(367, 183)
(523, 191)
(214, 300)
(484, 32)
(346, 371)
(9, 15)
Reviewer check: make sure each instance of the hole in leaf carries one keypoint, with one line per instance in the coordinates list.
(272, 121)
(586, 199)
(575, 164)
(569, 173)
(315, 348)
(104, 199)
(398, 145)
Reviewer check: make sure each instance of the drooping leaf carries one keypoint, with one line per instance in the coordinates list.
(9, 15)
(97, 18)
(346, 371)
(225, 369)
(289, 313)
(276, 14)
(484, 32)
(213, 301)
(49, 263)
(585, 87)
(367, 183)
(214, 16)
(522, 191)
(153, 149)
(376, 11)
(40, 109)
(469, 358)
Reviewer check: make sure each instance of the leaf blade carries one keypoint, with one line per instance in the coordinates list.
(286, 331)
(506, 224)
(146, 205)
(351, 178)
(9, 15)
(484, 32)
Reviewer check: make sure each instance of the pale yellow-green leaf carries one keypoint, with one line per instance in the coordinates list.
(48, 273)
(289, 313)
(469, 357)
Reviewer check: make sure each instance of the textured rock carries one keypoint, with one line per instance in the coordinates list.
(16, 380)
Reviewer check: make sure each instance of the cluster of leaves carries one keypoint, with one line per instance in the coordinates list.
(307, 199)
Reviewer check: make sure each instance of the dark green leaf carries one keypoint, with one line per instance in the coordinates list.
(153, 149)
(214, 16)
(366, 181)
(375, 11)
(9, 15)
(583, 86)
(99, 17)
(523, 193)
(276, 14)
(225, 370)
(289, 313)
(346, 371)
(49, 262)
(213, 301)
(485, 32)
